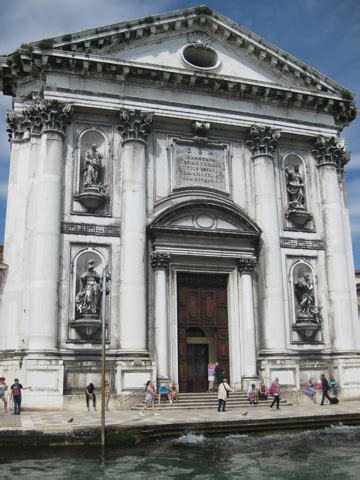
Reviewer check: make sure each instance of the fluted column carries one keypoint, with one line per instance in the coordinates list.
(262, 143)
(134, 128)
(245, 268)
(330, 154)
(49, 118)
(160, 264)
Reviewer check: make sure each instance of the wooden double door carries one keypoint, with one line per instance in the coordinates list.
(202, 306)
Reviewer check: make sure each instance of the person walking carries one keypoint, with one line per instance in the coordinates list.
(149, 398)
(223, 393)
(90, 396)
(16, 388)
(310, 391)
(325, 387)
(3, 389)
(218, 376)
(275, 391)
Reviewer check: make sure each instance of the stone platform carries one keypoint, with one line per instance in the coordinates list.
(128, 428)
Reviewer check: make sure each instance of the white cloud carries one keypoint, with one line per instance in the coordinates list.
(3, 190)
(354, 163)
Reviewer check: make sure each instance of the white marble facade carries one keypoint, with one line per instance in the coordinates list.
(164, 147)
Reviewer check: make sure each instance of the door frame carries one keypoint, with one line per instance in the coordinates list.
(212, 267)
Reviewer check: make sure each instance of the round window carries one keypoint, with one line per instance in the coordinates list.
(199, 57)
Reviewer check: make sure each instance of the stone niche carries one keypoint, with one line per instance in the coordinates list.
(296, 195)
(92, 175)
(306, 312)
(85, 299)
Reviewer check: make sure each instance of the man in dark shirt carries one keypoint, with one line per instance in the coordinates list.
(218, 376)
(325, 388)
(16, 388)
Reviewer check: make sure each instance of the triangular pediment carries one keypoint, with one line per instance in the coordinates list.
(159, 41)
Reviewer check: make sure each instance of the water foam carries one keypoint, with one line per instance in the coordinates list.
(190, 439)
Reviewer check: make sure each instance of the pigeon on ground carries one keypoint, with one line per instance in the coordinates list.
(245, 413)
(70, 420)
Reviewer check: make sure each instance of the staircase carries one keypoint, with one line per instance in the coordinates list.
(202, 401)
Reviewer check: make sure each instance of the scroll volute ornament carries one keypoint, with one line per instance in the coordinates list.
(134, 124)
(263, 140)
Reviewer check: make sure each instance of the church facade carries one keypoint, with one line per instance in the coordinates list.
(202, 168)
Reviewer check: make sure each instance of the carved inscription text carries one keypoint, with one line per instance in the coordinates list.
(198, 165)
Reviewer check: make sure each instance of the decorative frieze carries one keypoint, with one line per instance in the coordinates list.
(90, 229)
(263, 140)
(160, 260)
(40, 116)
(246, 265)
(134, 124)
(301, 243)
(330, 151)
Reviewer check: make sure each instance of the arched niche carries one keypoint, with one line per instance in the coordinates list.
(306, 312)
(295, 189)
(93, 170)
(88, 265)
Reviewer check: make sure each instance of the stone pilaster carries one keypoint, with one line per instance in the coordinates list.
(160, 264)
(134, 128)
(330, 155)
(249, 358)
(262, 143)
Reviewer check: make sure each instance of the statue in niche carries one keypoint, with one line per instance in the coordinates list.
(304, 292)
(87, 300)
(92, 168)
(295, 188)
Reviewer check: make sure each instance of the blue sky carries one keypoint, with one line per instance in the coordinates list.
(325, 34)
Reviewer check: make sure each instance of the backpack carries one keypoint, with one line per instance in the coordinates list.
(16, 390)
(272, 389)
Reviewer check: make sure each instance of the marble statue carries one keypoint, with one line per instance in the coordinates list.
(295, 188)
(88, 298)
(304, 292)
(92, 168)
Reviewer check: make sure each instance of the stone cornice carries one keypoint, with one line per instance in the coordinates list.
(38, 117)
(330, 151)
(134, 125)
(262, 140)
(160, 260)
(246, 265)
(95, 66)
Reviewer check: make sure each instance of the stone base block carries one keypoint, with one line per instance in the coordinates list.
(132, 374)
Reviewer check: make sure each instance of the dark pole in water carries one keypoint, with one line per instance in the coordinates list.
(103, 330)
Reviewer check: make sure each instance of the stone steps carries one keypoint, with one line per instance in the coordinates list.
(201, 401)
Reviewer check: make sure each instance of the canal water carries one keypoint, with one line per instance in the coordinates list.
(332, 453)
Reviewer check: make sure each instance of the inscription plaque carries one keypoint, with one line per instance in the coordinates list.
(90, 229)
(301, 243)
(200, 166)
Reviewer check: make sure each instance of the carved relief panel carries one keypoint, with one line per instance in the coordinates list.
(93, 170)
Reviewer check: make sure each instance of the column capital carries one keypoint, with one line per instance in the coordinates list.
(160, 260)
(38, 117)
(262, 139)
(134, 125)
(246, 265)
(330, 151)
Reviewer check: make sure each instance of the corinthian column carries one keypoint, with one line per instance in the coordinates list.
(160, 264)
(246, 267)
(134, 127)
(330, 155)
(48, 118)
(262, 143)
(12, 315)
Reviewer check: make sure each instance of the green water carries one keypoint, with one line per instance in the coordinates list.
(333, 453)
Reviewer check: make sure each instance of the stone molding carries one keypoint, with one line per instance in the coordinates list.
(263, 140)
(38, 117)
(246, 265)
(134, 125)
(330, 151)
(160, 260)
